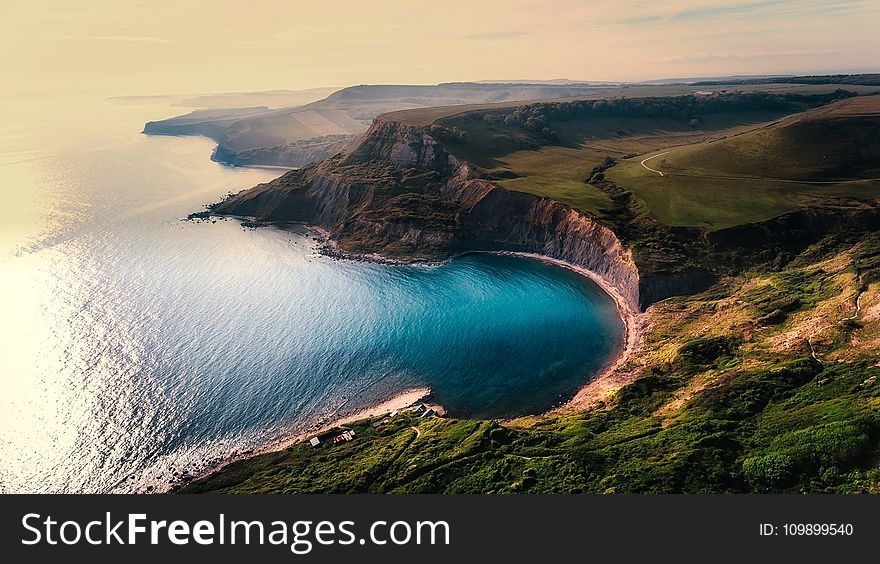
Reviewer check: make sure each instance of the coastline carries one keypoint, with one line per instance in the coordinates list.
(593, 392)
(396, 402)
(608, 380)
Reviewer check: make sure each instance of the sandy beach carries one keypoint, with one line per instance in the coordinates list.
(397, 402)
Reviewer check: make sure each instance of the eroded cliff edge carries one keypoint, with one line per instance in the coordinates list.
(400, 193)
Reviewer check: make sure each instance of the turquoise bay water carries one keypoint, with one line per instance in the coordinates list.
(137, 346)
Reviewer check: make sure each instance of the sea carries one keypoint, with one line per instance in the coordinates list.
(137, 348)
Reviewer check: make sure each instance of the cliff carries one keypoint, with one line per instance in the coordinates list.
(399, 192)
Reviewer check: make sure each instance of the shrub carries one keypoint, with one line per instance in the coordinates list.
(705, 351)
(769, 472)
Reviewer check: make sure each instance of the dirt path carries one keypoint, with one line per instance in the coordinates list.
(418, 433)
(521, 457)
(654, 157)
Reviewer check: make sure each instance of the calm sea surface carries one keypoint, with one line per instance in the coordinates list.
(136, 346)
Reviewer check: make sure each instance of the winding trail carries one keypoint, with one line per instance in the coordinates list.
(752, 178)
(709, 141)
(653, 157)
(418, 433)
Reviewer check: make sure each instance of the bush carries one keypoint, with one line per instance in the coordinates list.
(705, 351)
(769, 472)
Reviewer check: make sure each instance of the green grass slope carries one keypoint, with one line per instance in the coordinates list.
(831, 144)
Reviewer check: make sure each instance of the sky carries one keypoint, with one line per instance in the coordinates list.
(133, 47)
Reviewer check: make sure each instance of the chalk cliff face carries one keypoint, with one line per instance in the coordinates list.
(399, 192)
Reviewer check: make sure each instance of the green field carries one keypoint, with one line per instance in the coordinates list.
(559, 173)
(716, 203)
(559, 170)
(836, 143)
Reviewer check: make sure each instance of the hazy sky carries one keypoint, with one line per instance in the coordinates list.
(181, 46)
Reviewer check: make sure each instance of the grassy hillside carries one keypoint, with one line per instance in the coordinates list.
(558, 168)
(767, 382)
(830, 152)
(836, 143)
(558, 172)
